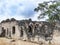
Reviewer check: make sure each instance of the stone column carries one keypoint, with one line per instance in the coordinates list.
(11, 31)
(6, 33)
(24, 34)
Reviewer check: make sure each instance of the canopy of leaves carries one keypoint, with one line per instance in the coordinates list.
(50, 9)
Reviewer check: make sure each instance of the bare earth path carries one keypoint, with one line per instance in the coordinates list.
(4, 41)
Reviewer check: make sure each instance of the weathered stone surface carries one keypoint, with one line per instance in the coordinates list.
(29, 30)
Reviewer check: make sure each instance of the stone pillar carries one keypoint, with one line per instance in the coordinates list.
(6, 33)
(24, 35)
(17, 31)
(11, 31)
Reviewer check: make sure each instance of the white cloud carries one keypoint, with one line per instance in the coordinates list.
(21, 6)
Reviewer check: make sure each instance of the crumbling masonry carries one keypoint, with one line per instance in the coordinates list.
(26, 29)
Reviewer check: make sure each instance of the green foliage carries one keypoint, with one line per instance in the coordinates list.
(49, 9)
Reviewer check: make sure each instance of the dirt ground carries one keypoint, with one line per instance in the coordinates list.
(5, 41)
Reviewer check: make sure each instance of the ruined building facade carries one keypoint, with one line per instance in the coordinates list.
(26, 29)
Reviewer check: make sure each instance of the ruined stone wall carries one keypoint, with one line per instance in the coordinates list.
(32, 31)
(8, 29)
(38, 31)
(57, 30)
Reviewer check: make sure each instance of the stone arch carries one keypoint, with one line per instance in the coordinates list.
(13, 29)
(30, 27)
(3, 32)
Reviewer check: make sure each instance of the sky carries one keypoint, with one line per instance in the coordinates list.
(19, 9)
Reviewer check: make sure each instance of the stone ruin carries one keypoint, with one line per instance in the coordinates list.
(29, 30)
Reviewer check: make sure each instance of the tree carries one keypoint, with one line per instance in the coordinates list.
(50, 9)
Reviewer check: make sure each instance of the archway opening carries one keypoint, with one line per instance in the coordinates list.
(3, 32)
(30, 30)
(13, 29)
